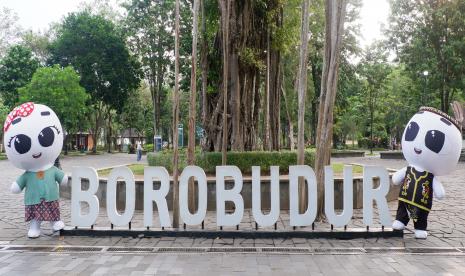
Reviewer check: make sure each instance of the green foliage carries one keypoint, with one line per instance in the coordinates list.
(148, 147)
(243, 160)
(428, 36)
(92, 45)
(38, 43)
(16, 70)
(137, 112)
(59, 89)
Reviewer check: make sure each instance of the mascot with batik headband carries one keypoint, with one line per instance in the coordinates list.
(33, 139)
(431, 144)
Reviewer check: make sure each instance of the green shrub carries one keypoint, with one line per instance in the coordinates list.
(243, 160)
(148, 147)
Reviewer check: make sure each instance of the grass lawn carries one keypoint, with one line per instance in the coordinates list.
(339, 167)
(138, 169)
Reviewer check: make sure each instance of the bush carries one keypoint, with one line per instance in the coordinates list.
(243, 160)
(148, 147)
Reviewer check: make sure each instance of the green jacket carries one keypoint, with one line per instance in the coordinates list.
(37, 188)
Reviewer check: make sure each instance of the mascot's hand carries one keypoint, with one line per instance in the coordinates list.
(398, 177)
(438, 189)
(15, 189)
(64, 181)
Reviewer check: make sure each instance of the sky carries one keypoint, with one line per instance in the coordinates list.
(38, 14)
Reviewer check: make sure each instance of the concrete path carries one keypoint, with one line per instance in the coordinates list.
(227, 264)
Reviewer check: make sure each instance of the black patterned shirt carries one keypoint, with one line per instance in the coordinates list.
(417, 189)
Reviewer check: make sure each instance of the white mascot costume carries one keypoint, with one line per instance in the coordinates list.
(33, 139)
(431, 144)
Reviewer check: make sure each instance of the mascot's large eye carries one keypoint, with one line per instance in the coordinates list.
(434, 140)
(22, 143)
(46, 137)
(412, 131)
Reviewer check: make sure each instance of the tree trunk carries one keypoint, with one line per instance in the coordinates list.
(204, 62)
(301, 90)
(289, 118)
(335, 15)
(225, 30)
(175, 122)
(266, 127)
(109, 133)
(192, 106)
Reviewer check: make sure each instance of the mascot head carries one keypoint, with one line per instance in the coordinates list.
(432, 141)
(33, 137)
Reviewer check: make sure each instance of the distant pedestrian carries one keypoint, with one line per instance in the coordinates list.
(139, 151)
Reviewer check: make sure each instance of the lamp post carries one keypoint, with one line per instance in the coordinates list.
(425, 98)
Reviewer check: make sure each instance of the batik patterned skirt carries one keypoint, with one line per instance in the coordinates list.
(44, 211)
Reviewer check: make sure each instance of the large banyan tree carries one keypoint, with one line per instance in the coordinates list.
(254, 70)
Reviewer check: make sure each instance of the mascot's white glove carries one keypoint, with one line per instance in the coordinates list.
(15, 189)
(64, 181)
(398, 177)
(438, 189)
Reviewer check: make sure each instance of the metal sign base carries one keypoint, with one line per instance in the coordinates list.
(355, 233)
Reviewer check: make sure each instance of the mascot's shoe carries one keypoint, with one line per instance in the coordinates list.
(397, 225)
(420, 234)
(34, 229)
(57, 225)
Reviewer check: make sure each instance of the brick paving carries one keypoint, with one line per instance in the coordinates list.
(446, 229)
(227, 264)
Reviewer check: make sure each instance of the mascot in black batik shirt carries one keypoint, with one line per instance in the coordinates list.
(431, 144)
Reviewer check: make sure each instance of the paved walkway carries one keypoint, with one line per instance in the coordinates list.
(446, 229)
(228, 264)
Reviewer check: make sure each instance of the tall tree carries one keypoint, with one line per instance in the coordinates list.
(16, 70)
(150, 36)
(335, 14)
(225, 6)
(10, 31)
(428, 35)
(59, 89)
(193, 103)
(301, 90)
(39, 44)
(92, 45)
(176, 120)
(374, 70)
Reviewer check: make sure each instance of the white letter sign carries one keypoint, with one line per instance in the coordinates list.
(308, 174)
(272, 217)
(186, 216)
(346, 215)
(112, 182)
(378, 194)
(223, 195)
(78, 196)
(159, 196)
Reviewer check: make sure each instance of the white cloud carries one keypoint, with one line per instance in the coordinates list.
(38, 14)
